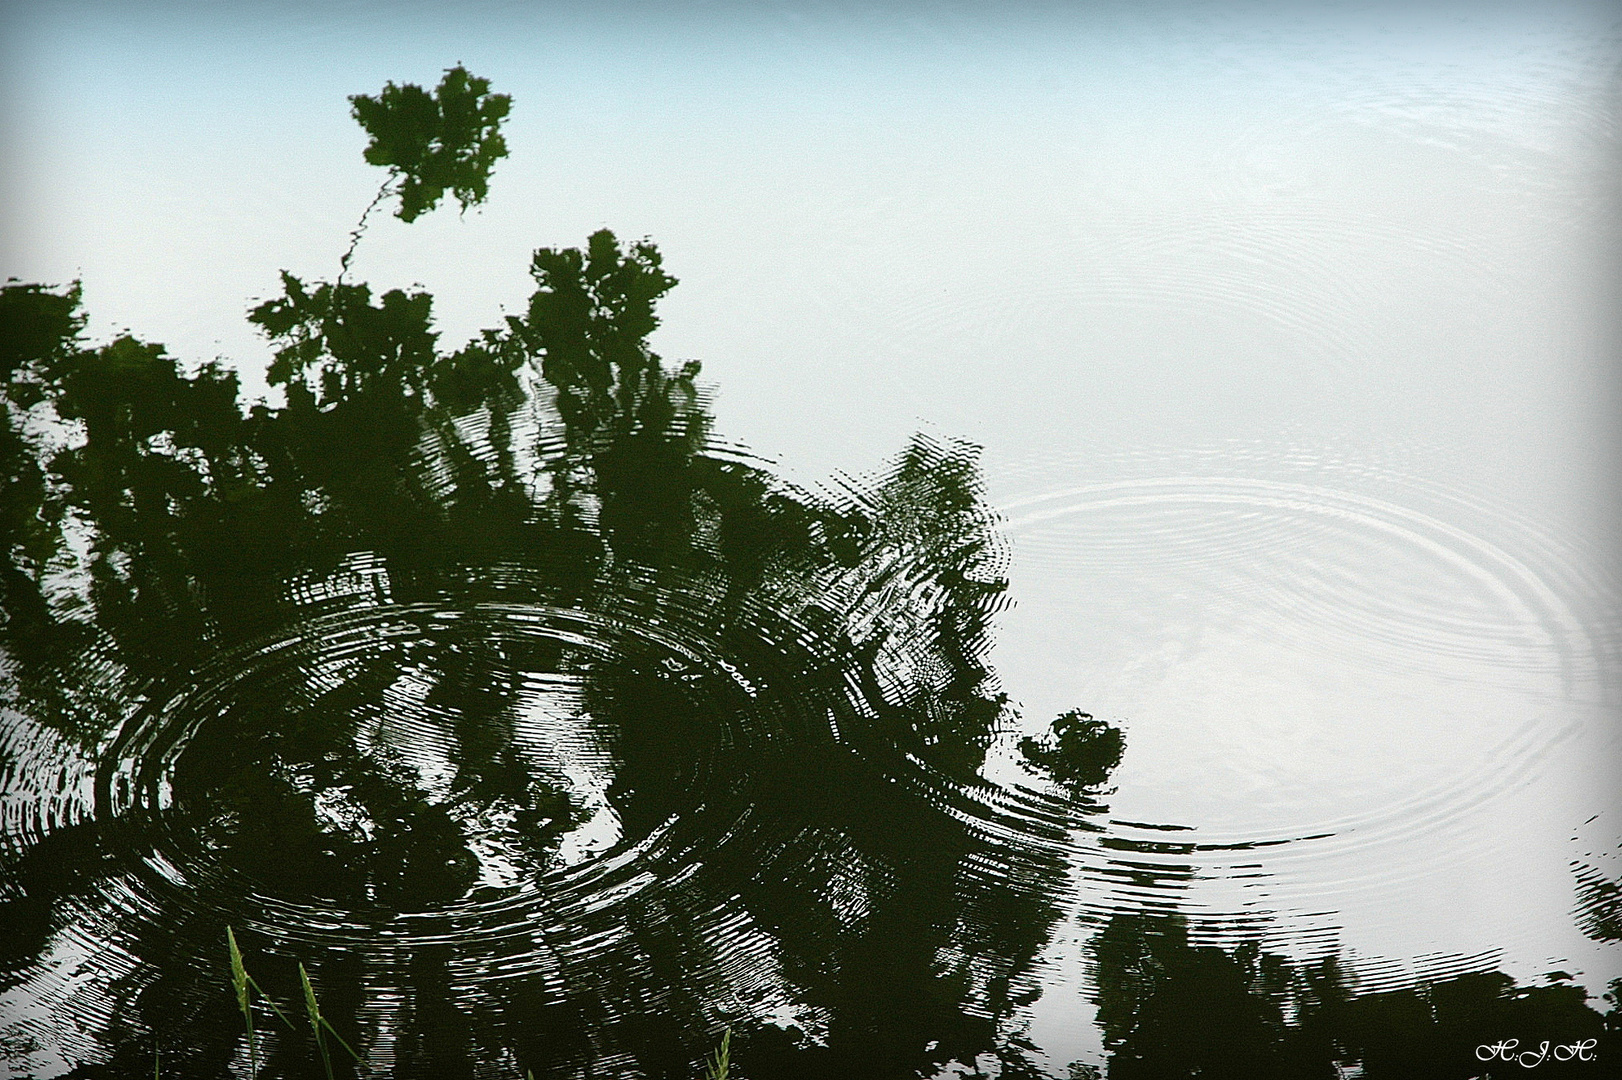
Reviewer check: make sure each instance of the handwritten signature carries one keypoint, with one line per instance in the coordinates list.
(1509, 1050)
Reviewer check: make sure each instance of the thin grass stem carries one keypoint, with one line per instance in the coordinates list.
(334, 1033)
(239, 982)
(268, 1000)
(315, 1021)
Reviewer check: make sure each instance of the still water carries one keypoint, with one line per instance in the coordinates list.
(1224, 683)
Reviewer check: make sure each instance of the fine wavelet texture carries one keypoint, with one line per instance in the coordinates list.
(568, 749)
(1360, 700)
(555, 735)
(545, 743)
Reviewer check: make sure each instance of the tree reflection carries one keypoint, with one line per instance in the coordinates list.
(1171, 1008)
(284, 636)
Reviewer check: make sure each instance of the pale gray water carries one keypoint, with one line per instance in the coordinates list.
(1386, 712)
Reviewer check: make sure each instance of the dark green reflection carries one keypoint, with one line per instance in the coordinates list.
(545, 736)
(1171, 1008)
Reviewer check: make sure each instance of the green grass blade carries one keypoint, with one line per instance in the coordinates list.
(239, 982)
(239, 973)
(253, 982)
(315, 1021)
(721, 1063)
(334, 1033)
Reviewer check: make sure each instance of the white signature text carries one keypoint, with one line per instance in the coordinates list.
(1509, 1050)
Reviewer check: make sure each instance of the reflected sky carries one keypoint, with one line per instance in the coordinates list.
(1195, 219)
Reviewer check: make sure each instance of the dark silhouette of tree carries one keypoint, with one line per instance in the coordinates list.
(432, 143)
(1173, 1009)
(225, 608)
(1081, 753)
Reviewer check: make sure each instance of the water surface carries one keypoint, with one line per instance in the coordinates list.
(1285, 341)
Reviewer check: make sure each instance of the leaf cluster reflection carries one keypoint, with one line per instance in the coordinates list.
(256, 595)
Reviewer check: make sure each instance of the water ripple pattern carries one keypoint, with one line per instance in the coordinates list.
(597, 773)
(1354, 694)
